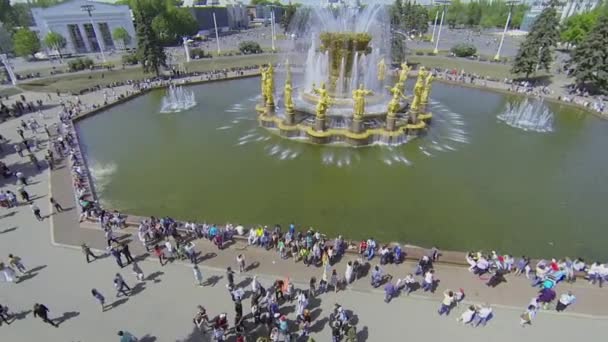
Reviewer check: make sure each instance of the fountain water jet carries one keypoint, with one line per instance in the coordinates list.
(177, 99)
(528, 115)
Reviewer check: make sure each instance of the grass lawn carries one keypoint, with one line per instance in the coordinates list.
(9, 91)
(77, 82)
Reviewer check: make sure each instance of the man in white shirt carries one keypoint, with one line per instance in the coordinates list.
(564, 301)
(484, 313)
(446, 304)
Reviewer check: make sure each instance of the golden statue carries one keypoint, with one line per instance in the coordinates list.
(424, 99)
(381, 70)
(405, 70)
(288, 91)
(419, 88)
(394, 104)
(270, 85)
(324, 101)
(263, 76)
(359, 101)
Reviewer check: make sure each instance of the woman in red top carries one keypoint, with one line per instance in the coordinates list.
(159, 253)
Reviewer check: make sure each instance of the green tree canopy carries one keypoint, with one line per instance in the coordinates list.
(150, 53)
(576, 27)
(590, 57)
(120, 33)
(25, 42)
(54, 40)
(536, 51)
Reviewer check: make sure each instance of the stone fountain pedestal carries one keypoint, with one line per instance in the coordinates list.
(320, 124)
(270, 108)
(290, 118)
(390, 123)
(357, 126)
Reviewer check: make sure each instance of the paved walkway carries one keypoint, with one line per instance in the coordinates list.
(164, 305)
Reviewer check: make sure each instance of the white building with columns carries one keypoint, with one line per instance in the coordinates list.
(81, 30)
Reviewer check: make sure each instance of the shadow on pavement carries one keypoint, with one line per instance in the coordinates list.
(147, 338)
(141, 257)
(8, 230)
(363, 335)
(21, 315)
(9, 214)
(137, 289)
(30, 274)
(66, 316)
(244, 283)
(38, 268)
(117, 303)
(319, 325)
(206, 256)
(213, 280)
(252, 266)
(155, 276)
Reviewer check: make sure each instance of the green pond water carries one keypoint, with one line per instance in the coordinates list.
(471, 183)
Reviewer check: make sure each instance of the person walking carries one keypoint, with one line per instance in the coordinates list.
(240, 261)
(483, 315)
(333, 280)
(40, 310)
(139, 274)
(56, 205)
(126, 336)
(564, 301)
(21, 178)
(87, 252)
(429, 281)
(117, 256)
(198, 276)
(446, 304)
(190, 252)
(159, 253)
(15, 261)
(4, 314)
(100, 298)
(528, 316)
(230, 276)
(36, 211)
(127, 253)
(120, 285)
(25, 196)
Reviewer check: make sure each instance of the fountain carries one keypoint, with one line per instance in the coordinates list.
(345, 97)
(528, 115)
(177, 99)
(9, 69)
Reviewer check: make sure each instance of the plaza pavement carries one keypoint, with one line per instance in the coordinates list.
(163, 307)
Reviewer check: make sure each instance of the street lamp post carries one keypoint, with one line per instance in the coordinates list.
(511, 3)
(445, 4)
(217, 35)
(89, 9)
(434, 26)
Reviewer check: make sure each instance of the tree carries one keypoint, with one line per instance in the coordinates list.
(577, 27)
(6, 41)
(174, 23)
(249, 47)
(55, 41)
(7, 16)
(288, 14)
(122, 35)
(150, 53)
(463, 50)
(590, 57)
(25, 42)
(397, 41)
(537, 49)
